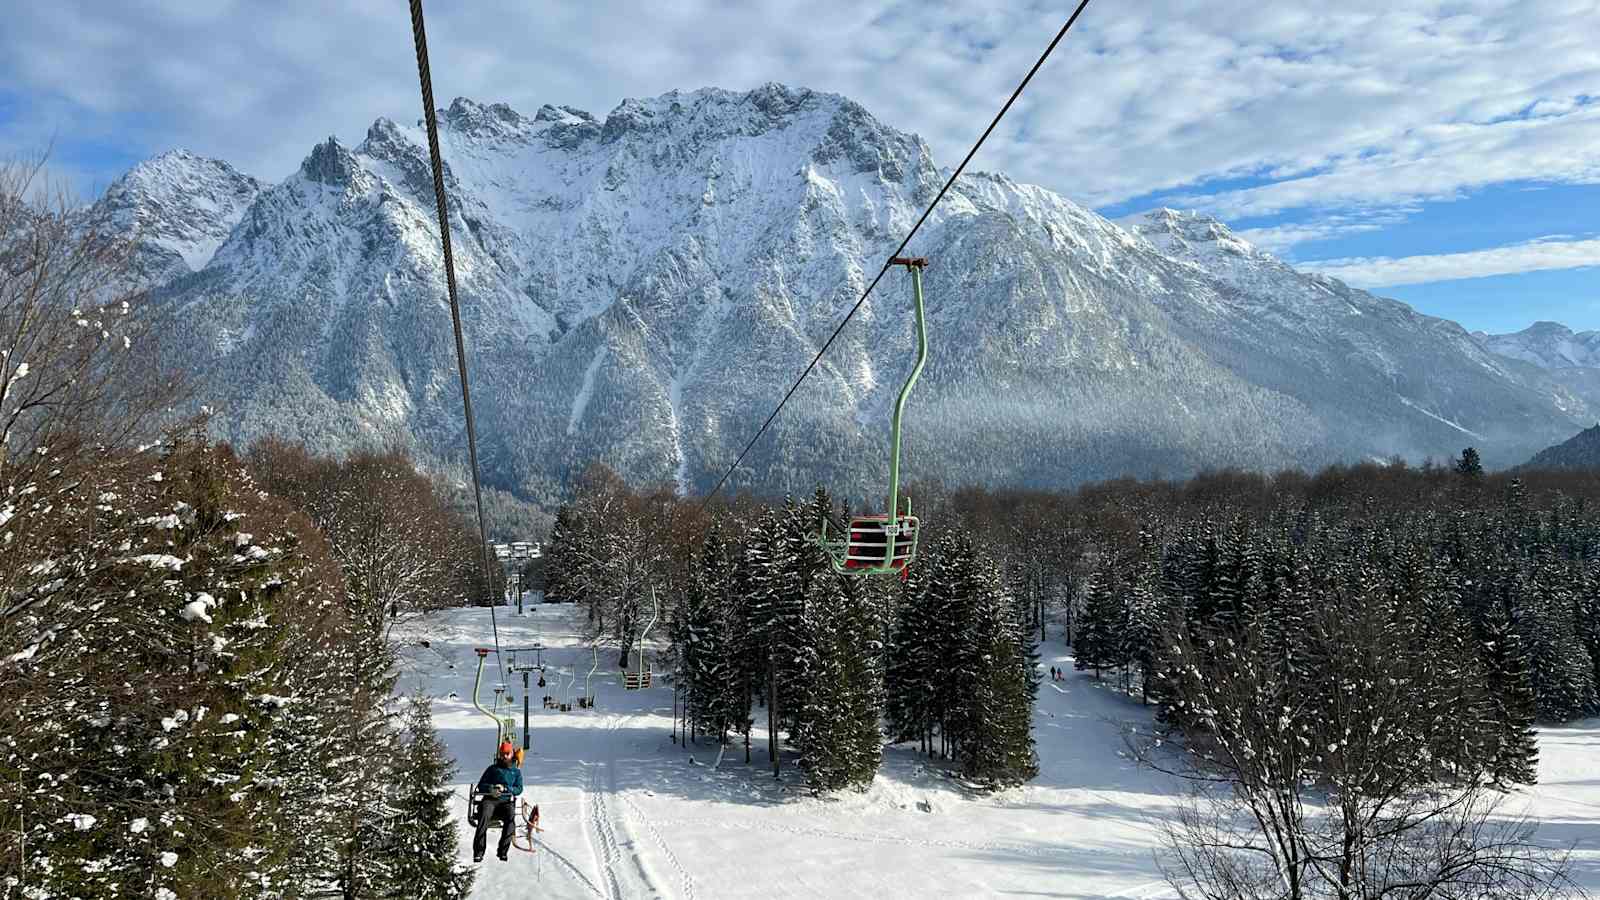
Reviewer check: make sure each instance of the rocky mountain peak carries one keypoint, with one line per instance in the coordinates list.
(1189, 232)
(632, 288)
(179, 206)
(1547, 329)
(563, 114)
(494, 121)
(330, 163)
(176, 170)
(383, 133)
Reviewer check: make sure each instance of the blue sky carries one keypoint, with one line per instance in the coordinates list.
(1443, 153)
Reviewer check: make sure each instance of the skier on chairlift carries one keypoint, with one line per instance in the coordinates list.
(500, 786)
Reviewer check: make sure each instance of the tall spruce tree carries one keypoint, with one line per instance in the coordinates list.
(914, 657)
(1511, 749)
(421, 837)
(1100, 644)
(994, 713)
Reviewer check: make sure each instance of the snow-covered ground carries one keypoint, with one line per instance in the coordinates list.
(628, 813)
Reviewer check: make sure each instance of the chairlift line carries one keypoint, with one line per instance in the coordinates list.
(425, 77)
(898, 250)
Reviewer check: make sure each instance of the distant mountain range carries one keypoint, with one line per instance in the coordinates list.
(1548, 345)
(642, 288)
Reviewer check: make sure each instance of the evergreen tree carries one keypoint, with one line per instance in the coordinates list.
(421, 837)
(223, 678)
(1511, 749)
(561, 558)
(1562, 671)
(914, 658)
(837, 711)
(994, 718)
(1100, 643)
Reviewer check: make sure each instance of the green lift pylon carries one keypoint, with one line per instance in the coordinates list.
(885, 544)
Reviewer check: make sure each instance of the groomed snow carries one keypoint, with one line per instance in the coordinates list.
(628, 813)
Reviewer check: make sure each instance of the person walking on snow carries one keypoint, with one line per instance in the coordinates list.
(500, 785)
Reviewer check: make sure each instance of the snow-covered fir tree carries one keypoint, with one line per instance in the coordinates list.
(419, 834)
(1099, 643)
(216, 673)
(915, 666)
(997, 735)
(838, 717)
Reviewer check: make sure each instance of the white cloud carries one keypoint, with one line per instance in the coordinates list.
(1368, 102)
(1436, 163)
(1556, 252)
(1280, 238)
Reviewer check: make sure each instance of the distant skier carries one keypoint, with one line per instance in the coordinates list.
(500, 785)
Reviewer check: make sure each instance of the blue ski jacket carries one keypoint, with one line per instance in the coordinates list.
(509, 776)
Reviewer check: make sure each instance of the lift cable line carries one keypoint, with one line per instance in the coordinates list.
(426, 78)
(898, 250)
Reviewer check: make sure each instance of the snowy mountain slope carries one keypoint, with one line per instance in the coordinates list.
(643, 288)
(1371, 363)
(629, 813)
(180, 207)
(1570, 359)
(1549, 345)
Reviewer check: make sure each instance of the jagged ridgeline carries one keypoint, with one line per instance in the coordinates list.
(641, 289)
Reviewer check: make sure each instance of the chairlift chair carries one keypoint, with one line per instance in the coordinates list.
(505, 728)
(885, 543)
(877, 543)
(587, 700)
(633, 681)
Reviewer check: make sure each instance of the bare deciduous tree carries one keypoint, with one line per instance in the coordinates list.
(1330, 782)
(78, 387)
(402, 550)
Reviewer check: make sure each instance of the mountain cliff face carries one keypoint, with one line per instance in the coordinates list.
(643, 288)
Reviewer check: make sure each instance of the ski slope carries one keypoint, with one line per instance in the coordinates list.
(629, 813)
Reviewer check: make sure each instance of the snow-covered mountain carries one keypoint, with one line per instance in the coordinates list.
(643, 288)
(1548, 345)
(180, 208)
(1570, 359)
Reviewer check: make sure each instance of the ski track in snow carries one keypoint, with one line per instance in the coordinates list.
(602, 837)
(616, 792)
(567, 863)
(618, 858)
(1435, 416)
(684, 877)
